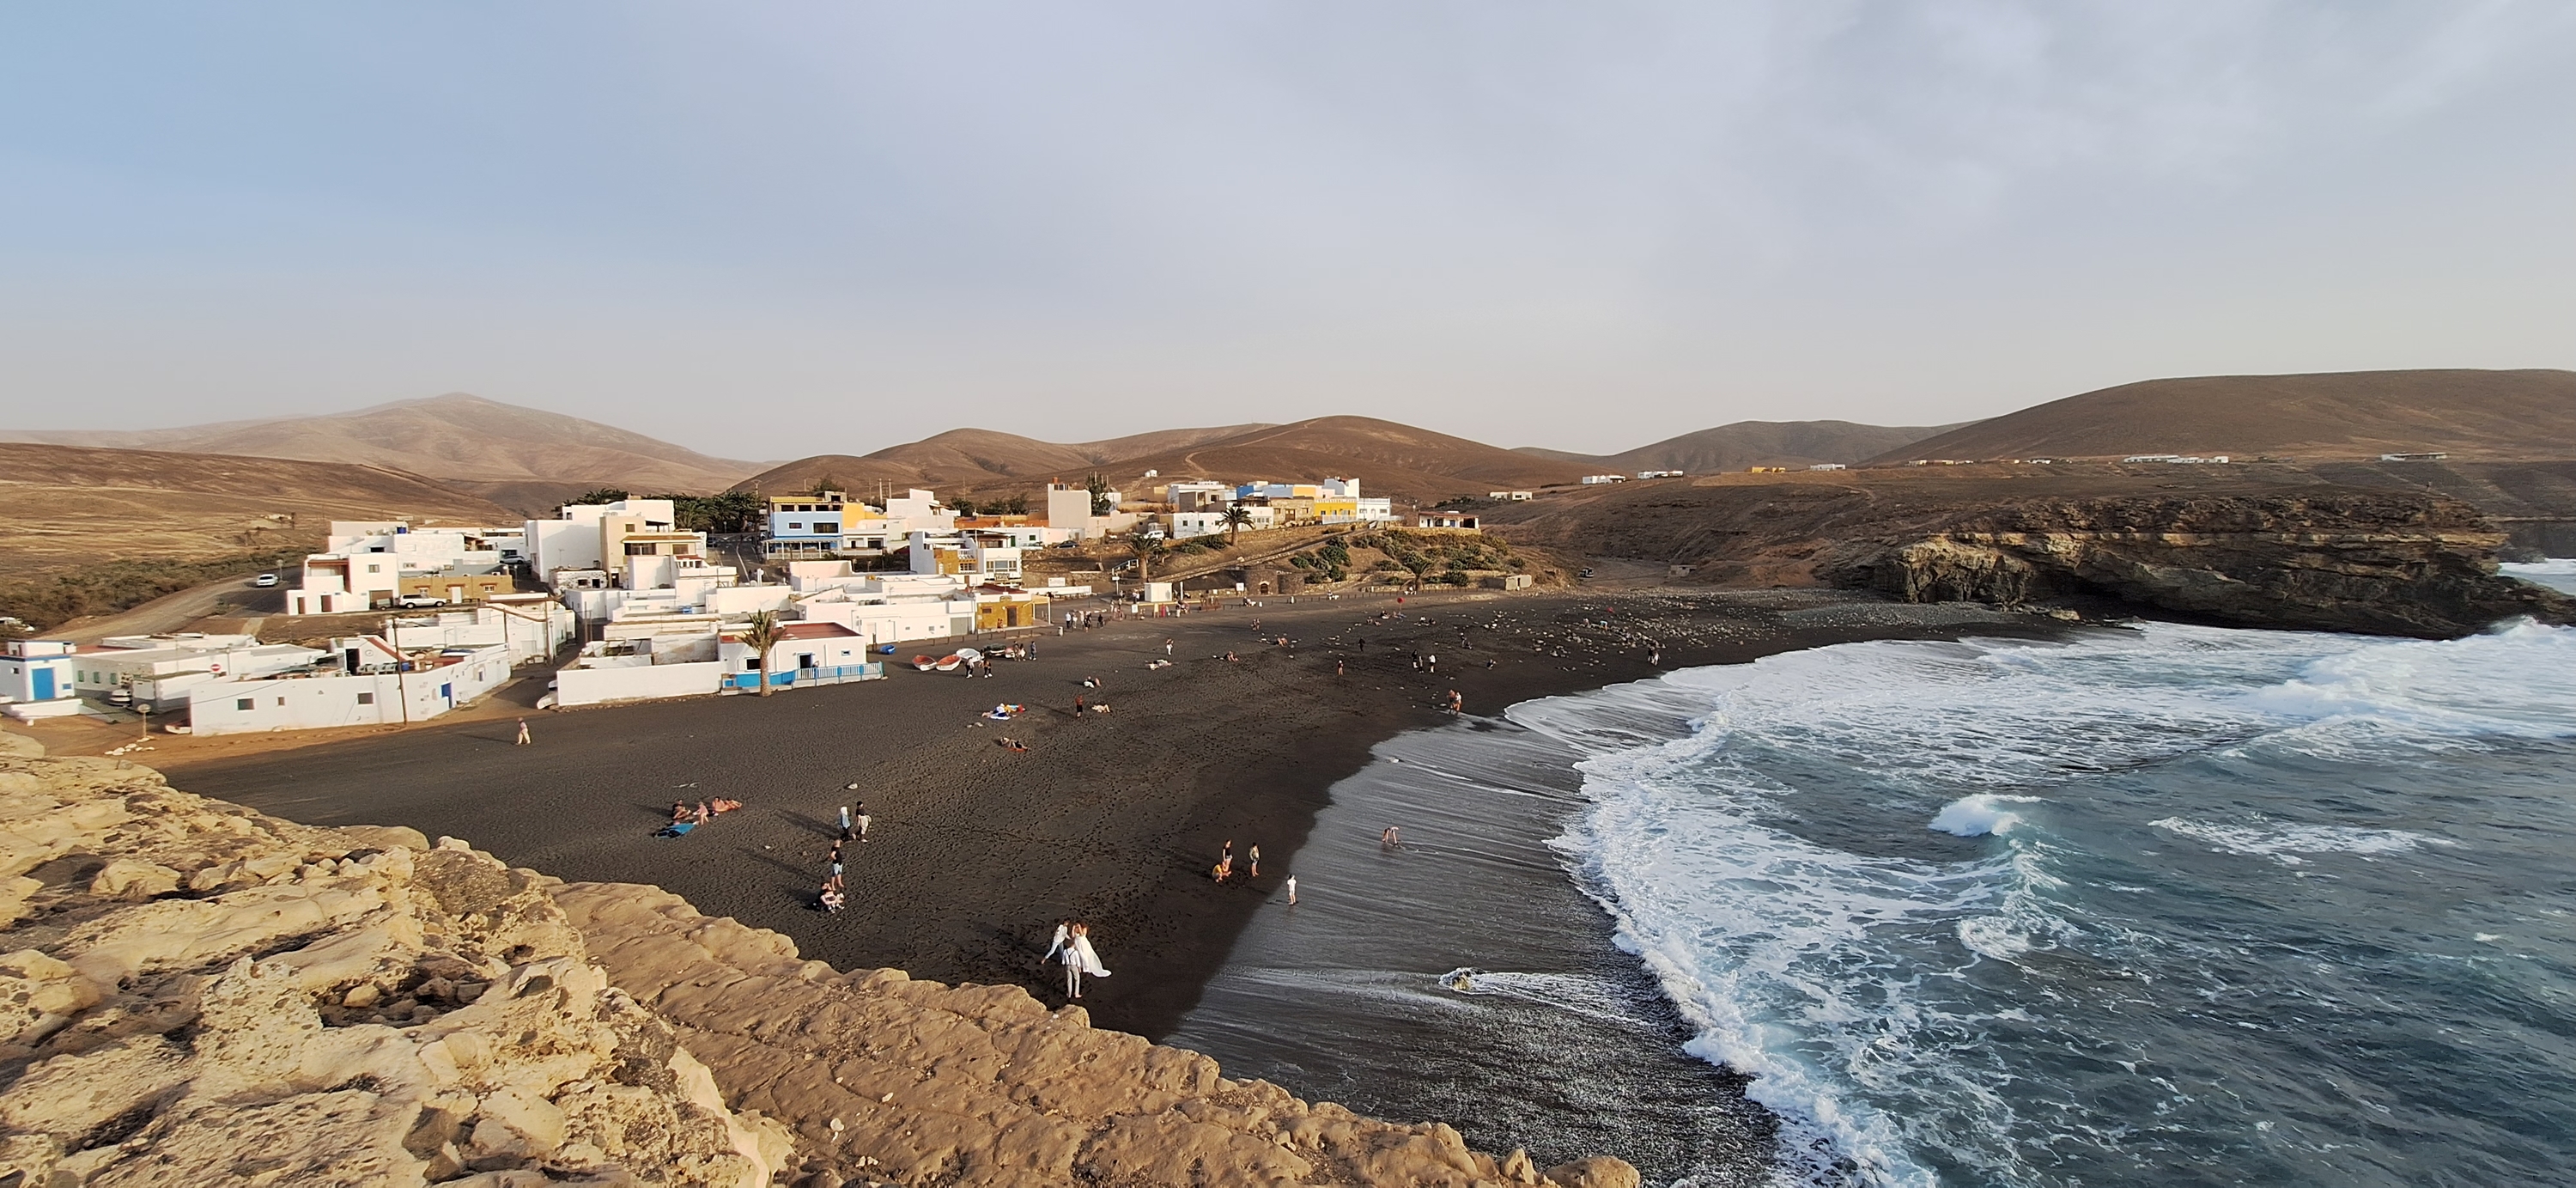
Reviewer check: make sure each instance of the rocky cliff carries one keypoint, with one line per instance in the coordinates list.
(2373, 561)
(2250, 546)
(194, 993)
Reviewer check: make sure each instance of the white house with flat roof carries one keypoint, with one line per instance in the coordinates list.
(36, 678)
(362, 681)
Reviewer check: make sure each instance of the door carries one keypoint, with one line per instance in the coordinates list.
(44, 683)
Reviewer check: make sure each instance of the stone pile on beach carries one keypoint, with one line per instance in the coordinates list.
(195, 993)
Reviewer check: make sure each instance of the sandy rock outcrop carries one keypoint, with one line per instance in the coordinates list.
(915, 1082)
(194, 993)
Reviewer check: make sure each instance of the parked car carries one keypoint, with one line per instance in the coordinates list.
(264, 580)
(120, 695)
(417, 601)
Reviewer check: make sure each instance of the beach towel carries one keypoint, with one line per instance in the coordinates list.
(676, 829)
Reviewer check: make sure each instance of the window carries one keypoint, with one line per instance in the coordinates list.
(641, 548)
(375, 569)
(796, 525)
(242, 704)
(281, 701)
(366, 699)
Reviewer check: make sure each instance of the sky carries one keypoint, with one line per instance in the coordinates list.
(773, 230)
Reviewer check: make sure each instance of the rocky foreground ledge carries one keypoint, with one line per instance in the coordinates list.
(195, 993)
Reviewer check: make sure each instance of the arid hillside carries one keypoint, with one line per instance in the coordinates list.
(976, 461)
(452, 437)
(1758, 443)
(2481, 415)
(69, 506)
(1387, 458)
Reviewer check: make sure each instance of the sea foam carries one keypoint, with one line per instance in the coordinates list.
(1738, 853)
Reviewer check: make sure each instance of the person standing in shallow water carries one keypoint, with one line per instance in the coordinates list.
(1292, 890)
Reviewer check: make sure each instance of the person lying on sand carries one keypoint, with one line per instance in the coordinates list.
(680, 811)
(1011, 744)
(723, 806)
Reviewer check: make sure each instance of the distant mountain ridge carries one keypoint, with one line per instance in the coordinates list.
(2470, 414)
(1746, 444)
(456, 437)
(1388, 458)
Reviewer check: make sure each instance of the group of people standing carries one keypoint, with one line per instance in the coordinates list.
(834, 894)
(1225, 863)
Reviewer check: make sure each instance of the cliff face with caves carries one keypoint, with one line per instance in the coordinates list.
(195, 993)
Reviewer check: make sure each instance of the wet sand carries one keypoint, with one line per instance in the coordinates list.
(976, 851)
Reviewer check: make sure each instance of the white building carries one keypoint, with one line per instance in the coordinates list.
(529, 627)
(363, 681)
(1509, 496)
(36, 678)
(1597, 479)
(1070, 507)
(158, 671)
(1185, 525)
(1826, 466)
(590, 535)
(975, 556)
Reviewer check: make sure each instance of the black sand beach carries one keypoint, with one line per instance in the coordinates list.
(977, 850)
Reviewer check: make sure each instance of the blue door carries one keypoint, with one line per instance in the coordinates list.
(45, 683)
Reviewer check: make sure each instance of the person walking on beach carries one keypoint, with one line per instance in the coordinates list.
(1338, 669)
(1167, 648)
(1253, 861)
(1431, 664)
(862, 820)
(523, 733)
(1292, 890)
(845, 820)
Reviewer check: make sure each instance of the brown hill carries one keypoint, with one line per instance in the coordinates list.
(1771, 443)
(977, 461)
(1139, 445)
(1389, 459)
(70, 506)
(2490, 415)
(455, 436)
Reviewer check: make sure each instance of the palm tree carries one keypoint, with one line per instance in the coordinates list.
(1146, 549)
(763, 633)
(1235, 518)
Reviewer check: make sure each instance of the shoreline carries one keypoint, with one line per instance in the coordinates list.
(1113, 818)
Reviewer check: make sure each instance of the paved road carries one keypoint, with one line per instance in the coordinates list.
(172, 612)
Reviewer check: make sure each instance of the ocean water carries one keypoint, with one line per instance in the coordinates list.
(2557, 573)
(2166, 906)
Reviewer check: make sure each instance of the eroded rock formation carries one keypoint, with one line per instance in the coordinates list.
(195, 993)
(2380, 562)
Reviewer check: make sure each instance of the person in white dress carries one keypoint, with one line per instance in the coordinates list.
(1073, 947)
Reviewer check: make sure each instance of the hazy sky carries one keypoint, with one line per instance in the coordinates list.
(775, 229)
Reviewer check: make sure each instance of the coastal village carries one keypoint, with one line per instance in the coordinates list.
(626, 603)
